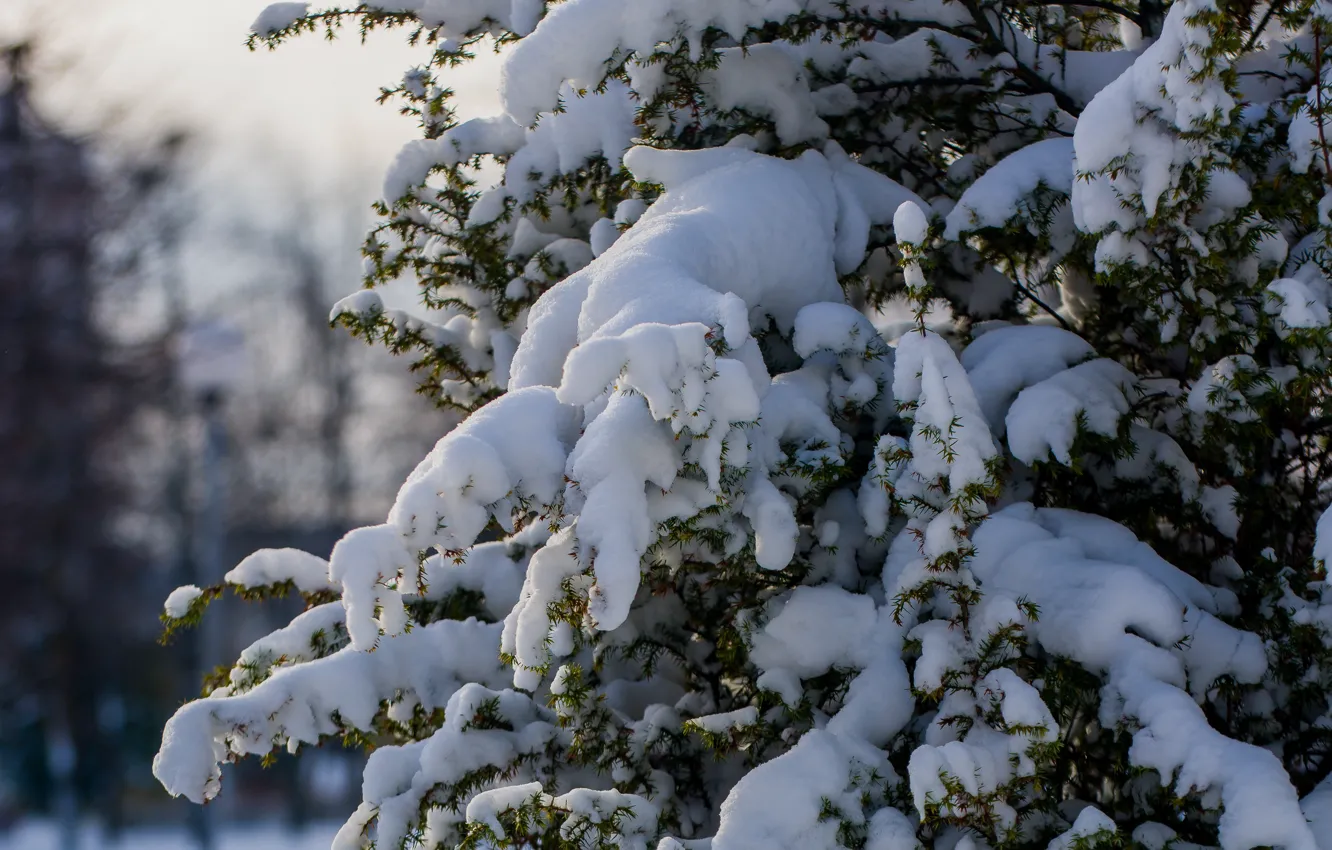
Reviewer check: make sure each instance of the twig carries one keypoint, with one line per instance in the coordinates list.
(1262, 24)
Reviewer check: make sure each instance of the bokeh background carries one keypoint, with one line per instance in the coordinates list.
(177, 216)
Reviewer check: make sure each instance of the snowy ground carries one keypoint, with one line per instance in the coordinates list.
(43, 835)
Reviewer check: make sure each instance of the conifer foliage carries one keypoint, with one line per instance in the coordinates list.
(895, 423)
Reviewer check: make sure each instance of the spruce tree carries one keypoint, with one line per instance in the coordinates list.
(890, 424)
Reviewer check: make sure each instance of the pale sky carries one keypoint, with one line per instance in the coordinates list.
(279, 136)
(308, 106)
(285, 142)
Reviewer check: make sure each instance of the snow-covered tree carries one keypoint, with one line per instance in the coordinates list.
(894, 423)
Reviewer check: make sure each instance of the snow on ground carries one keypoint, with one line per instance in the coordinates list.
(44, 835)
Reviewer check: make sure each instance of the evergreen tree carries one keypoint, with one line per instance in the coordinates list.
(904, 424)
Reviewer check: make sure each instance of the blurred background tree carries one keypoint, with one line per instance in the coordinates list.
(67, 392)
(120, 480)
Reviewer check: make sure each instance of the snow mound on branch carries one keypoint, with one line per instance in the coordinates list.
(1141, 116)
(456, 18)
(592, 124)
(291, 644)
(573, 39)
(179, 601)
(765, 79)
(738, 236)
(508, 454)
(842, 620)
(1044, 419)
(1299, 304)
(999, 193)
(397, 778)
(297, 704)
(780, 803)
(929, 375)
(1005, 361)
(1123, 617)
(278, 16)
(309, 573)
(496, 136)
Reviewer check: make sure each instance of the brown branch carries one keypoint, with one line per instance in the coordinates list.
(1318, 96)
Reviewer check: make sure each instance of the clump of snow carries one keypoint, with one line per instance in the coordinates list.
(998, 194)
(309, 573)
(293, 644)
(1045, 417)
(1005, 361)
(1112, 615)
(278, 16)
(299, 703)
(843, 622)
(910, 224)
(1091, 824)
(765, 79)
(179, 601)
(365, 304)
(1161, 80)
(929, 375)
(779, 803)
(486, 806)
(397, 778)
(496, 136)
(1298, 304)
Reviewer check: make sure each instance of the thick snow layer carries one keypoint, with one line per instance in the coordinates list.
(594, 124)
(398, 777)
(910, 224)
(527, 628)
(486, 806)
(1317, 807)
(815, 628)
(766, 80)
(1091, 824)
(509, 452)
(292, 644)
(738, 236)
(572, 40)
(1217, 389)
(364, 304)
(486, 569)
